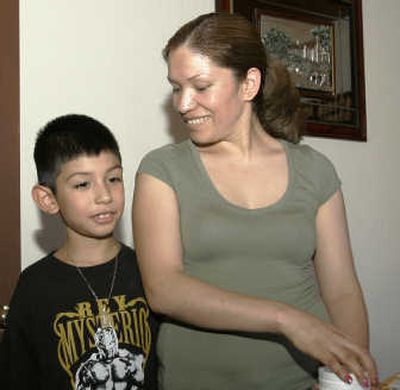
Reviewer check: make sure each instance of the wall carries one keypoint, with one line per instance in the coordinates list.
(103, 58)
(371, 181)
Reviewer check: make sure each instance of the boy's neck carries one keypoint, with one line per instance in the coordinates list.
(86, 253)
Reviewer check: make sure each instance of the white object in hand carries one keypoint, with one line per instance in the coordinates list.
(328, 380)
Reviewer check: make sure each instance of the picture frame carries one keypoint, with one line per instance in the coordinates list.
(335, 108)
(304, 44)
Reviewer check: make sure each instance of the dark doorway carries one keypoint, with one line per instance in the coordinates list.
(10, 253)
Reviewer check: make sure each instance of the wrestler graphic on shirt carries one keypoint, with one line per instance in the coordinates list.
(110, 368)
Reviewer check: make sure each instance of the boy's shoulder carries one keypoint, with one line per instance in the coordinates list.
(38, 274)
(34, 280)
(49, 261)
(127, 250)
(128, 264)
(38, 267)
(49, 268)
(128, 254)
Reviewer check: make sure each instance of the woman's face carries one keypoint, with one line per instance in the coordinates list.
(207, 96)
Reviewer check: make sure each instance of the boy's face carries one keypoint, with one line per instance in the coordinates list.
(90, 195)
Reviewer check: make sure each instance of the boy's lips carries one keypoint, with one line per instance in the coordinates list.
(104, 217)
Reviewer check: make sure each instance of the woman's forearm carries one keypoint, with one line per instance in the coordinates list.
(190, 300)
(348, 312)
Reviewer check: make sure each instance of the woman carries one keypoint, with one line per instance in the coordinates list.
(241, 233)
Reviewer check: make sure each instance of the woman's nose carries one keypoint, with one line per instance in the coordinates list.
(184, 102)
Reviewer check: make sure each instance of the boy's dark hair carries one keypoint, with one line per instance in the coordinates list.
(68, 137)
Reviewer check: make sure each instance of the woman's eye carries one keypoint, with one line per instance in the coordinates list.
(202, 88)
(175, 89)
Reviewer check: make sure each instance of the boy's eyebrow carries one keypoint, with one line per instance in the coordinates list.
(117, 166)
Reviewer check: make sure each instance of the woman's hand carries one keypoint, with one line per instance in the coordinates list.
(332, 348)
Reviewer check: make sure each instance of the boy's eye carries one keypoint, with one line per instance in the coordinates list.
(81, 185)
(115, 179)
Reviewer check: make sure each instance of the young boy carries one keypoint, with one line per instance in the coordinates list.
(78, 318)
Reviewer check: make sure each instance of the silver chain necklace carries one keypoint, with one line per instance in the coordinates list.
(104, 313)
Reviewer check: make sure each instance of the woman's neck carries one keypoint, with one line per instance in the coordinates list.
(245, 144)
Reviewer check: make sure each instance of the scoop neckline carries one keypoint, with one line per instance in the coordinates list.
(212, 189)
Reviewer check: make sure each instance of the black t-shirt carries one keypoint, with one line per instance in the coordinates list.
(52, 323)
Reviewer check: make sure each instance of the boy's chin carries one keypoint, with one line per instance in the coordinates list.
(99, 235)
(105, 236)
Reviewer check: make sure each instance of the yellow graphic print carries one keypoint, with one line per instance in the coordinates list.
(75, 330)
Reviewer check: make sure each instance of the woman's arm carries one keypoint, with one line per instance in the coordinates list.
(168, 289)
(171, 292)
(339, 286)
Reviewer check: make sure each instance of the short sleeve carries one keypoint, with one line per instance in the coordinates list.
(155, 163)
(314, 173)
(326, 179)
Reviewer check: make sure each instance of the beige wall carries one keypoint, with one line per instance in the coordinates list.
(371, 181)
(103, 58)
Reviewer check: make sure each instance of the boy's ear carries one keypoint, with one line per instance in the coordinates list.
(45, 199)
(251, 84)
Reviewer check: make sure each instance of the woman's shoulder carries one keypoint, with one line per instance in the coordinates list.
(314, 170)
(167, 162)
(306, 156)
(305, 151)
(168, 152)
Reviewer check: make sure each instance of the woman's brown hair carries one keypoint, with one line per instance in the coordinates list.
(231, 41)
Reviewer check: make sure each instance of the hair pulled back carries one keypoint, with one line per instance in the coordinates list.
(231, 41)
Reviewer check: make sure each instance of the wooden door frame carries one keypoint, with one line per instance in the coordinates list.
(10, 252)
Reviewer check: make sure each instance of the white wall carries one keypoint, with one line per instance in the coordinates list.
(103, 58)
(371, 182)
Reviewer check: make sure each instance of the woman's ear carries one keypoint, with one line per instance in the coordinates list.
(45, 199)
(251, 84)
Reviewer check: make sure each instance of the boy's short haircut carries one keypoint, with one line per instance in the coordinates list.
(68, 137)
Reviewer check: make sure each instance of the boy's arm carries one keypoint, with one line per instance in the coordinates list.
(19, 369)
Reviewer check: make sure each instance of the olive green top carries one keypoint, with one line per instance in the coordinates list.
(265, 252)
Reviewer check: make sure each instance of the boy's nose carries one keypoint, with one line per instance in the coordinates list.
(103, 194)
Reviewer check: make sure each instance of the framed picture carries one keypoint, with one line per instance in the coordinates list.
(321, 44)
(305, 44)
